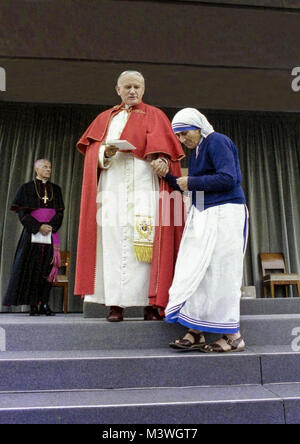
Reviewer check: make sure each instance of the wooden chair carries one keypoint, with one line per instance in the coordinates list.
(63, 279)
(275, 262)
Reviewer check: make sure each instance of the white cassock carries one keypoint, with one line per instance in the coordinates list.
(125, 183)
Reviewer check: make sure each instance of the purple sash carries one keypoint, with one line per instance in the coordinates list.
(45, 215)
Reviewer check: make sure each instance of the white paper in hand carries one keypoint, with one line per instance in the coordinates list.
(121, 144)
(40, 238)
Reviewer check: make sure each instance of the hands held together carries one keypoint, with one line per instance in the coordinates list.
(45, 229)
(162, 168)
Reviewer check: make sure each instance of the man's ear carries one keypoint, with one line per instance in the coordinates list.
(117, 88)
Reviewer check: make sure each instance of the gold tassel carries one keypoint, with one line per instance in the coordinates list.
(143, 253)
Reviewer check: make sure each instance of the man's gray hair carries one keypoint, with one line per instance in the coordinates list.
(39, 161)
(136, 73)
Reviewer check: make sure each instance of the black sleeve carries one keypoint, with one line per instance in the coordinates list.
(172, 182)
(30, 223)
(56, 221)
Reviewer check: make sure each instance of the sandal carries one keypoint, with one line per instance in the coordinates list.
(235, 345)
(186, 343)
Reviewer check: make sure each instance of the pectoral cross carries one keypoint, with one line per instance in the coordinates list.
(45, 198)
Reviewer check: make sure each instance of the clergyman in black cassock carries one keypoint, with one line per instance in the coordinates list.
(29, 282)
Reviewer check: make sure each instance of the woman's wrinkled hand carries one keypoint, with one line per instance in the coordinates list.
(160, 167)
(182, 182)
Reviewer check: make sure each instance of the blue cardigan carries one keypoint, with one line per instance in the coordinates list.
(216, 171)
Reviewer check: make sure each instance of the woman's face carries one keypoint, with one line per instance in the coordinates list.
(189, 138)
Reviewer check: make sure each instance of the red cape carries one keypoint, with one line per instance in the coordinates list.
(154, 136)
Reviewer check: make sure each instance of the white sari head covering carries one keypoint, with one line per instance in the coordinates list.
(190, 119)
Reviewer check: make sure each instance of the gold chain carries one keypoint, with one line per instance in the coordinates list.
(45, 198)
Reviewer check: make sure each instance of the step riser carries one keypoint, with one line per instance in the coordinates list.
(252, 412)
(271, 331)
(270, 306)
(203, 370)
(129, 373)
(280, 368)
(292, 411)
(248, 307)
(102, 335)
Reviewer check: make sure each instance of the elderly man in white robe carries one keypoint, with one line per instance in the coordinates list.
(127, 193)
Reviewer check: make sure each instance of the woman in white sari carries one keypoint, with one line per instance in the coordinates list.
(206, 289)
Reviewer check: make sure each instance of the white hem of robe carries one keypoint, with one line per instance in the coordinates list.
(206, 289)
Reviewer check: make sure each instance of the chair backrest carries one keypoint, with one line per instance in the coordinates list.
(65, 261)
(272, 261)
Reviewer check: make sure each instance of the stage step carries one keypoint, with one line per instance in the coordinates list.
(72, 370)
(246, 404)
(270, 306)
(152, 368)
(257, 306)
(71, 332)
(125, 369)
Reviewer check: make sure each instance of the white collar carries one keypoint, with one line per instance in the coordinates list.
(42, 180)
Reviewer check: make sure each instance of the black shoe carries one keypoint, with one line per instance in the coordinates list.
(34, 311)
(151, 314)
(45, 310)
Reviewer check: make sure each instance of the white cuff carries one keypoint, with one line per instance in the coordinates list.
(104, 162)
